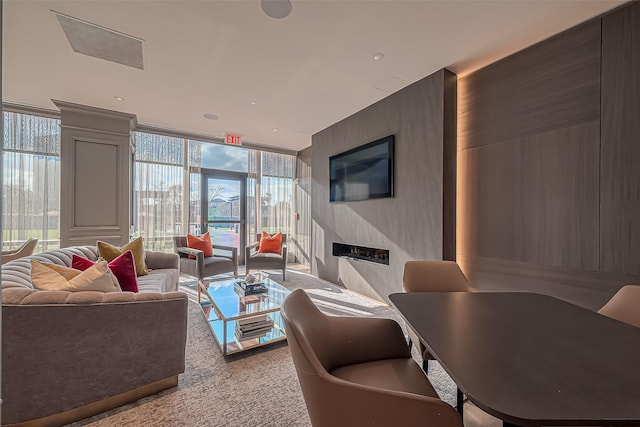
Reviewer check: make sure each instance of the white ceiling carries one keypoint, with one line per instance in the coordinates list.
(305, 72)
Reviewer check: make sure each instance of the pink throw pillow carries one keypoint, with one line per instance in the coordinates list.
(123, 267)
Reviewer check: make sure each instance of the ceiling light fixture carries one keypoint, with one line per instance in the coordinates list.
(377, 56)
(276, 9)
(118, 98)
(252, 102)
(210, 116)
(274, 129)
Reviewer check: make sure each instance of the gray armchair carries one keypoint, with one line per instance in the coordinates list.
(202, 267)
(267, 261)
(25, 250)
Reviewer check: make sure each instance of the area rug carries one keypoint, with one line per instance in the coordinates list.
(255, 388)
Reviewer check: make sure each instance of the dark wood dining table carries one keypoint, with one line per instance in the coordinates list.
(530, 359)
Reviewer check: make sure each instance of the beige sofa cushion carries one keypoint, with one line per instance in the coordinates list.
(161, 280)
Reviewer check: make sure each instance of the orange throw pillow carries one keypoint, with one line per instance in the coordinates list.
(202, 243)
(270, 244)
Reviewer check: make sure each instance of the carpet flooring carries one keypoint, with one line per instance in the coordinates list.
(255, 388)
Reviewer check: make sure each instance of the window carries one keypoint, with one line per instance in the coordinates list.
(31, 181)
(167, 187)
(270, 190)
(158, 190)
(221, 157)
(206, 155)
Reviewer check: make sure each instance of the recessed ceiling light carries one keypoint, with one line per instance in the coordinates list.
(274, 129)
(210, 116)
(377, 56)
(252, 102)
(277, 9)
(119, 98)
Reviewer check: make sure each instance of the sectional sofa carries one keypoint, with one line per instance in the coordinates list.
(70, 355)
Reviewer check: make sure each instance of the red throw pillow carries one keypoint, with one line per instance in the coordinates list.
(123, 267)
(202, 243)
(270, 244)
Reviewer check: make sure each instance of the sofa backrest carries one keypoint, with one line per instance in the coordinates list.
(17, 273)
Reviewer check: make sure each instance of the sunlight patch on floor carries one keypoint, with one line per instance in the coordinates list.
(341, 308)
(330, 292)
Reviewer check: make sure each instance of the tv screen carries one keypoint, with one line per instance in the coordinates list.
(365, 172)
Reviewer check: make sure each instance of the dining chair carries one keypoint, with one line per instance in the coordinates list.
(623, 306)
(431, 276)
(254, 260)
(24, 250)
(357, 371)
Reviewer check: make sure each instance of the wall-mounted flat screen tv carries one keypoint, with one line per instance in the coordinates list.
(365, 172)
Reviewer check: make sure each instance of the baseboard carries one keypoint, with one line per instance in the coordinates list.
(94, 408)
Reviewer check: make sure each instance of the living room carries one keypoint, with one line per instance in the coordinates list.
(514, 158)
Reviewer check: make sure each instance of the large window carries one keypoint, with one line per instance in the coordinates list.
(158, 189)
(167, 192)
(31, 181)
(275, 192)
(166, 187)
(167, 184)
(270, 194)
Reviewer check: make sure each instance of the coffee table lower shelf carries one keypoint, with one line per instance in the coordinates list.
(233, 345)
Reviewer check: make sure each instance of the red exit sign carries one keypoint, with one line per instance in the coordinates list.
(232, 139)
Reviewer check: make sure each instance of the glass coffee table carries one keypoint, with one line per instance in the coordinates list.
(243, 322)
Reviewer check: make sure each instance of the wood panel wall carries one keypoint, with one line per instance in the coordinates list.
(620, 184)
(545, 204)
(549, 86)
(411, 225)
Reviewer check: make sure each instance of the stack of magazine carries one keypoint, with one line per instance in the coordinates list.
(253, 327)
(245, 289)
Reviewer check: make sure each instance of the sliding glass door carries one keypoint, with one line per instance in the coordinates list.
(223, 205)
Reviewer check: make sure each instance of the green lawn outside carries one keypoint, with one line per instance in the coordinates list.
(8, 235)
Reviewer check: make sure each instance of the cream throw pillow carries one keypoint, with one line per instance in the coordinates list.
(66, 272)
(96, 278)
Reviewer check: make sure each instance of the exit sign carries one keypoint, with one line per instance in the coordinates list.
(232, 139)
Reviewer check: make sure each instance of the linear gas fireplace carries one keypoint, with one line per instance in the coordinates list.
(379, 256)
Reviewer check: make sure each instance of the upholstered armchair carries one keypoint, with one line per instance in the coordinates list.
(25, 250)
(623, 306)
(201, 266)
(357, 371)
(266, 261)
(431, 276)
